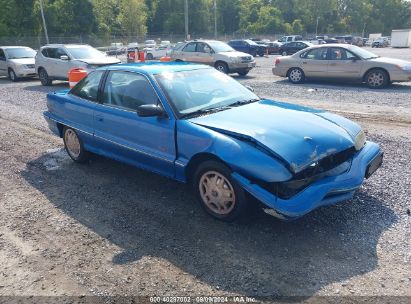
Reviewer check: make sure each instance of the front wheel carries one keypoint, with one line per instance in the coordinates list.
(12, 75)
(74, 146)
(377, 79)
(296, 75)
(222, 67)
(150, 56)
(219, 194)
(284, 53)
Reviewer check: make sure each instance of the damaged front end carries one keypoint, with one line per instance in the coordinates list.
(331, 180)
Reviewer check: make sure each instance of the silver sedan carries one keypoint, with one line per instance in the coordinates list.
(342, 62)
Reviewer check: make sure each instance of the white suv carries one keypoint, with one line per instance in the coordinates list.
(54, 61)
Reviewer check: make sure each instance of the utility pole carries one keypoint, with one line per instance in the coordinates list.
(44, 21)
(215, 19)
(316, 27)
(363, 30)
(186, 18)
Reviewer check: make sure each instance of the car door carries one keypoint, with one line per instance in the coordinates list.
(189, 52)
(343, 64)
(204, 54)
(120, 133)
(3, 63)
(314, 62)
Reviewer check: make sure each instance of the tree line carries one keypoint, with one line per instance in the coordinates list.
(19, 18)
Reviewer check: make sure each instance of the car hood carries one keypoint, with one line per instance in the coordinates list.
(390, 61)
(101, 60)
(234, 54)
(22, 61)
(296, 135)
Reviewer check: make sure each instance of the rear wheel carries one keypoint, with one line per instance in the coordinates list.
(12, 75)
(377, 79)
(222, 67)
(284, 53)
(219, 194)
(44, 77)
(150, 56)
(296, 75)
(74, 146)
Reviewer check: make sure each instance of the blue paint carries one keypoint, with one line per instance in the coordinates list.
(265, 141)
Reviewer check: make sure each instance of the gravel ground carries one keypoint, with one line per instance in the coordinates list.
(109, 229)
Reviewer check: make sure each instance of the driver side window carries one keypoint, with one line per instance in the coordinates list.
(191, 47)
(88, 87)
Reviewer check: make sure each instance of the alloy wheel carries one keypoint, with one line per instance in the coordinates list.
(296, 75)
(376, 79)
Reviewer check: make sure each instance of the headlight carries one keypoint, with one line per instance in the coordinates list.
(360, 140)
(404, 67)
(235, 60)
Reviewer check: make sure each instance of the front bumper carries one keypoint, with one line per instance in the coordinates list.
(234, 67)
(26, 72)
(327, 191)
(400, 76)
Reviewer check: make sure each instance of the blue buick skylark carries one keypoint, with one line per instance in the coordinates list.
(194, 124)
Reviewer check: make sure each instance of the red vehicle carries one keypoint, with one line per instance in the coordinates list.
(273, 47)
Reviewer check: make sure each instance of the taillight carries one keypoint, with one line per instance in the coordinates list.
(277, 61)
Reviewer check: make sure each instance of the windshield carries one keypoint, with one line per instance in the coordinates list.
(16, 53)
(84, 52)
(219, 47)
(192, 91)
(364, 54)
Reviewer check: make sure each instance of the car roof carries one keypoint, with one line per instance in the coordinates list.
(13, 47)
(154, 68)
(63, 45)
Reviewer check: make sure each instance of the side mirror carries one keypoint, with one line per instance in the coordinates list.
(151, 110)
(64, 57)
(250, 88)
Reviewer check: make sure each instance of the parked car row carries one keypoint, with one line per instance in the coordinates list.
(51, 62)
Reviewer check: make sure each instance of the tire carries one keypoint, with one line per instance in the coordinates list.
(150, 56)
(261, 54)
(284, 53)
(44, 77)
(74, 146)
(296, 75)
(222, 67)
(243, 73)
(229, 207)
(377, 79)
(254, 54)
(12, 75)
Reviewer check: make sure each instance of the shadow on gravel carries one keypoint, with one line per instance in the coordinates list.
(147, 215)
(46, 89)
(330, 85)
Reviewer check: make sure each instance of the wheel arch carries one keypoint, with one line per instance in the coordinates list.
(197, 159)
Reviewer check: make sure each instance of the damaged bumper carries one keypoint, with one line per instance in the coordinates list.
(327, 191)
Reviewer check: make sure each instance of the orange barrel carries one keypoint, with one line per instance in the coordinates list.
(141, 56)
(75, 75)
(165, 59)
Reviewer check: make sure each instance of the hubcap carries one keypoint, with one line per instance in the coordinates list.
(295, 75)
(72, 143)
(221, 68)
(217, 192)
(376, 79)
(43, 76)
(12, 76)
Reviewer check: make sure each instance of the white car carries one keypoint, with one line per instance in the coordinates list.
(54, 61)
(150, 43)
(165, 43)
(157, 52)
(17, 62)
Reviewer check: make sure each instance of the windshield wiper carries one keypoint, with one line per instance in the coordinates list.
(243, 102)
(204, 112)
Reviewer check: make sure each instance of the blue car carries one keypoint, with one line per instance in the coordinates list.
(196, 125)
